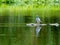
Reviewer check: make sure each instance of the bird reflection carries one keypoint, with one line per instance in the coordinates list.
(38, 27)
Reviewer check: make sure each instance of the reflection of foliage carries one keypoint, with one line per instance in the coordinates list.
(54, 19)
(28, 19)
(0, 3)
(3, 19)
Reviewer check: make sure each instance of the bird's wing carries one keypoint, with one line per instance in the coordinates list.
(38, 28)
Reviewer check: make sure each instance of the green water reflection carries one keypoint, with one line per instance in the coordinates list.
(13, 31)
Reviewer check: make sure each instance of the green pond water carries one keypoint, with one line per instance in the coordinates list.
(13, 29)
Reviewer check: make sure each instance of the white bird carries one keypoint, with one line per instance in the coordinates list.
(38, 25)
(38, 19)
(38, 28)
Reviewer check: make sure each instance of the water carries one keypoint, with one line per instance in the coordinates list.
(13, 29)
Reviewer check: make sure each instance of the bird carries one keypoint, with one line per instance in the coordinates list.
(38, 19)
(38, 27)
